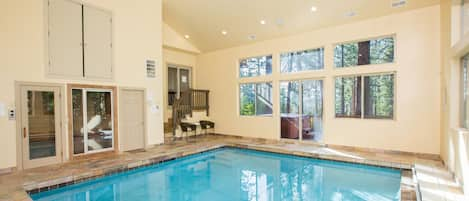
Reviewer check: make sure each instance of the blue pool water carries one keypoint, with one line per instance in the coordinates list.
(230, 174)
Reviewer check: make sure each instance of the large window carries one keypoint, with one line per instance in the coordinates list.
(255, 66)
(255, 99)
(465, 92)
(312, 59)
(377, 99)
(376, 51)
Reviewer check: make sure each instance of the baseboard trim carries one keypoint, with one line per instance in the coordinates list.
(9, 170)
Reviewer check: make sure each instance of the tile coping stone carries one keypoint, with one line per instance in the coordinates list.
(41, 186)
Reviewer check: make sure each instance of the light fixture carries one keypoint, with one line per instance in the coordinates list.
(224, 32)
(314, 9)
(186, 36)
(263, 22)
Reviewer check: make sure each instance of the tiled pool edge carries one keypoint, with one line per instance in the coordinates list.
(408, 190)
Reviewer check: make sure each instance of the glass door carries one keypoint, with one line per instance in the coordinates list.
(312, 108)
(301, 110)
(93, 123)
(290, 109)
(40, 117)
(179, 80)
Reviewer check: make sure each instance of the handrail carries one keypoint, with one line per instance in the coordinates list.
(192, 99)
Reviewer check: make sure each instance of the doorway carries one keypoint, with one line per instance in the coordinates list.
(39, 125)
(179, 80)
(301, 110)
(92, 124)
(132, 109)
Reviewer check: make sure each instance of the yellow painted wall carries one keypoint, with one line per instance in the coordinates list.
(137, 37)
(417, 110)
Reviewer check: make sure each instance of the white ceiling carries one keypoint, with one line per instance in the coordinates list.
(203, 20)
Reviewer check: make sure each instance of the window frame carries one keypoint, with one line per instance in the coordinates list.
(279, 62)
(362, 98)
(238, 66)
(334, 45)
(463, 101)
(255, 98)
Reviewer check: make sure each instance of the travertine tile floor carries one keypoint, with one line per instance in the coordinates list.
(435, 182)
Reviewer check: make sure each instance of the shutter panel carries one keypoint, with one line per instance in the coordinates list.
(65, 38)
(98, 43)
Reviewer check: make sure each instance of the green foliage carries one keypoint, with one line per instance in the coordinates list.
(247, 109)
(380, 51)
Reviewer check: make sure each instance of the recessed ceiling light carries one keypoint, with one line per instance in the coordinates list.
(350, 14)
(224, 32)
(263, 22)
(314, 9)
(252, 37)
(186, 36)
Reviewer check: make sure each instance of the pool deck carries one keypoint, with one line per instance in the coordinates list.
(436, 183)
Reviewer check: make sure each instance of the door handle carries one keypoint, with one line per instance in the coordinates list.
(24, 132)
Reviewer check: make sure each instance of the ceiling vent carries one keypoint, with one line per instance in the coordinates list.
(398, 3)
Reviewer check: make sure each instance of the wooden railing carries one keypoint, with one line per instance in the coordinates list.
(188, 101)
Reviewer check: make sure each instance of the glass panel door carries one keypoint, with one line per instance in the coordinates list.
(93, 123)
(312, 108)
(77, 118)
(289, 109)
(40, 126)
(172, 84)
(184, 79)
(301, 106)
(99, 120)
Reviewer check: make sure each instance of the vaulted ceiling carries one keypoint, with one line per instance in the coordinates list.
(203, 21)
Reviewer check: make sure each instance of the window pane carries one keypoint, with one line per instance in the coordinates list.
(255, 99)
(465, 96)
(99, 116)
(348, 97)
(312, 95)
(77, 118)
(346, 55)
(302, 60)
(41, 124)
(172, 84)
(289, 109)
(379, 96)
(382, 51)
(375, 51)
(247, 99)
(264, 99)
(255, 66)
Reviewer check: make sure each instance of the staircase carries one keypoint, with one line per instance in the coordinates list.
(190, 101)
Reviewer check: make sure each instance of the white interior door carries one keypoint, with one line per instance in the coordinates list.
(40, 126)
(132, 119)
